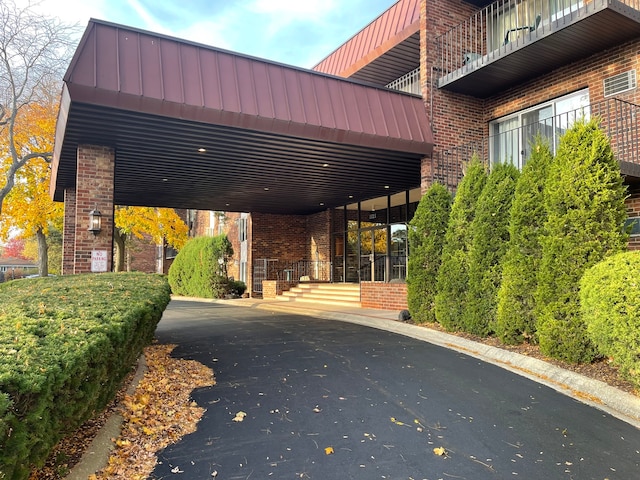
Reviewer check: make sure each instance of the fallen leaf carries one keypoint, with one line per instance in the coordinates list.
(328, 450)
(239, 416)
(440, 451)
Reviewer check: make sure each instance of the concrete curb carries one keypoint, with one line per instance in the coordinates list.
(97, 454)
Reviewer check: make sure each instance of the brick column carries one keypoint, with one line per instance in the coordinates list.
(426, 174)
(94, 190)
(69, 231)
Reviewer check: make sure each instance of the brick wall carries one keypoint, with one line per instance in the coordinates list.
(94, 190)
(69, 231)
(142, 255)
(281, 237)
(319, 236)
(461, 120)
(588, 72)
(269, 289)
(384, 296)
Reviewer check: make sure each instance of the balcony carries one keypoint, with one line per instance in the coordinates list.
(620, 121)
(510, 41)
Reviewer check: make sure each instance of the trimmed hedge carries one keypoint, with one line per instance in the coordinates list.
(453, 276)
(584, 200)
(489, 233)
(515, 319)
(610, 306)
(66, 344)
(197, 271)
(426, 237)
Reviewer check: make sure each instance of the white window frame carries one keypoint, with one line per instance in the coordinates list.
(560, 114)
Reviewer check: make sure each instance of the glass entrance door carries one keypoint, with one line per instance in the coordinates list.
(373, 254)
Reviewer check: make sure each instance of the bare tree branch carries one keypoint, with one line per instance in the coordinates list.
(34, 53)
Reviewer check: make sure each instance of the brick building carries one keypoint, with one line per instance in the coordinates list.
(329, 164)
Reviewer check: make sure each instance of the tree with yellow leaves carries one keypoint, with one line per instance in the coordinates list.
(161, 225)
(34, 52)
(29, 210)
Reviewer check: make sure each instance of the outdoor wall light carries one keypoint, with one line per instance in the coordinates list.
(95, 221)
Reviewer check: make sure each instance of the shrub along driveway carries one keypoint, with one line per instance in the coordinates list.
(327, 399)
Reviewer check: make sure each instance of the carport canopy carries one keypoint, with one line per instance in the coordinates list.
(198, 127)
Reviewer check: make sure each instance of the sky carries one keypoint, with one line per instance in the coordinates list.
(294, 32)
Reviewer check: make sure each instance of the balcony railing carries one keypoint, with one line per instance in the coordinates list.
(409, 82)
(618, 119)
(500, 28)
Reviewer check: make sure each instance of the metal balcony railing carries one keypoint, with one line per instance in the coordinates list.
(493, 31)
(409, 83)
(618, 119)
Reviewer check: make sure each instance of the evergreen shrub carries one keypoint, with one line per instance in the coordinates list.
(66, 344)
(199, 269)
(426, 237)
(515, 318)
(452, 282)
(584, 200)
(489, 233)
(610, 305)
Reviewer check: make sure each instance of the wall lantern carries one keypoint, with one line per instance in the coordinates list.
(95, 221)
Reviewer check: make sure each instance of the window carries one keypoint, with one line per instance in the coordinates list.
(511, 136)
(242, 229)
(632, 225)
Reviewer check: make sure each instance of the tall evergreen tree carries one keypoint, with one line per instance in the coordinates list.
(426, 237)
(515, 320)
(490, 236)
(452, 283)
(584, 199)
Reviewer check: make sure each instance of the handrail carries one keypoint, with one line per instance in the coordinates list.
(499, 27)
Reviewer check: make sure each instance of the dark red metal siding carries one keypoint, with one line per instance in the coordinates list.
(136, 71)
(392, 22)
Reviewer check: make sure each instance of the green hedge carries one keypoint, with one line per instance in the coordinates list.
(489, 232)
(610, 305)
(453, 275)
(66, 344)
(199, 269)
(426, 236)
(515, 318)
(584, 201)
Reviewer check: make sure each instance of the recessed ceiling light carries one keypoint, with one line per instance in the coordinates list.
(386, 186)
(202, 150)
(165, 179)
(322, 204)
(325, 164)
(266, 189)
(350, 196)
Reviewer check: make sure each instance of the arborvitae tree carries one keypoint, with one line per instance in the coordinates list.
(199, 269)
(426, 237)
(515, 320)
(452, 283)
(489, 232)
(584, 199)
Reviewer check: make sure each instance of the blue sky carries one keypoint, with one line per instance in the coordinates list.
(296, 32)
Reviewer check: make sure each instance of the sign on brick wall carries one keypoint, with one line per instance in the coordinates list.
(98, 260)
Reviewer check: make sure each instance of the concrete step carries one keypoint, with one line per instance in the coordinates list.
(326, 293)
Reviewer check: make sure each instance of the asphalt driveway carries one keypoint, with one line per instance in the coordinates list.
(326, 399)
